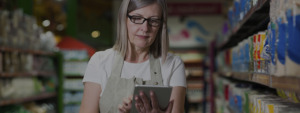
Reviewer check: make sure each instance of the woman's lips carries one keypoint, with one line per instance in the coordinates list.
(142, 36)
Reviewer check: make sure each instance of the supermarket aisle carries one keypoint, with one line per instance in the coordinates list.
(240, 56)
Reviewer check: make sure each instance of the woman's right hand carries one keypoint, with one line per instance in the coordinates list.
(125, 108)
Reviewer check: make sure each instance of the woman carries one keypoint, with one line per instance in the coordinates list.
(139, 56)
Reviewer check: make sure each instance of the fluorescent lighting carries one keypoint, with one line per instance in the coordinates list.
(46, 23)
(95, 34)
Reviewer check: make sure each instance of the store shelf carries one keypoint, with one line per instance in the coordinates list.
(28, 99)
(185, 49)
(195, 78)
(241, 76)
(195, 85)
(28, 74)
(35, 52)
(285, 82)
(73, 90)
(196, 101)
(289, 83)
(73, 103)
(74, 76)
(255, 20)
(196, 63)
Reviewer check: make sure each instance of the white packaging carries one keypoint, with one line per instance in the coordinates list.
(293, 57)
(281, 41)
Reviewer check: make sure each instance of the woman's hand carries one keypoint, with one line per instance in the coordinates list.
(125, 108)
(144, 106)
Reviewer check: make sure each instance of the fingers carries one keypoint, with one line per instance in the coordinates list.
(138, 104)
(127, 102)
(126, 105)
(170, 106)
(154, 101)
(122, 109)
(145, 101)
(130, 97)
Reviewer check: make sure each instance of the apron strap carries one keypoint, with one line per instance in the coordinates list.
(117, 65)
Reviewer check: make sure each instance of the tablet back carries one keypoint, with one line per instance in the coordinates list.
(163, 94)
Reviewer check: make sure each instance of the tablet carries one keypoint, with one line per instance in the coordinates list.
(163, 94)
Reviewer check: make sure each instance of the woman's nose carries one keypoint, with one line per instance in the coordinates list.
(145, 26)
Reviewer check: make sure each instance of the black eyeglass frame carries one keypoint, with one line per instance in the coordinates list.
(145, 19)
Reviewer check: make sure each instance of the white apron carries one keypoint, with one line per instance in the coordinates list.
(118, 88)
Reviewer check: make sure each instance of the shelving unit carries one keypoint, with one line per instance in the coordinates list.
(28, 74)
(41, 96)
(255, 20)
(75, 62)
(27, 99)
(286, 83)
(194, 67)
(195, 83)
(35, 52)
(259, 15)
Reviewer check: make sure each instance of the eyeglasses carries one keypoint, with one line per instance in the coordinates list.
(141, 20)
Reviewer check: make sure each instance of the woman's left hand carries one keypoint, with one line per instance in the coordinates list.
(143, 104)
(125, 108)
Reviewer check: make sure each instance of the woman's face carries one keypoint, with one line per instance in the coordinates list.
(142, 35)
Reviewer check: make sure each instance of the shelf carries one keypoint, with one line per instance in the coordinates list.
(289, 83)
(28, 74)
(186, 49)
(194, 78)
(72, 103)
(193, 64)
(28, 99)
(196, 101)
(285, 83)
(195, 86)
(76, 60)
(35, 52)
(74, 76)
(255, 20)
(73, 90)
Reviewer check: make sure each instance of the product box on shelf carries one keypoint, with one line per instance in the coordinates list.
(76, 62)
(281, 46)
(273, 38)
(249, 98)
(20, 88)
(251, 51)
(286, 58)
(262, 60)
(293, 47)
(20, 31)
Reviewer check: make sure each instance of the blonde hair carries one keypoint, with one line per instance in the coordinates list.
(160, 46)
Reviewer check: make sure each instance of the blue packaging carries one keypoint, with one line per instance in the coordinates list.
(237, 10)
(293, 48)
(273, 44)
(242, 8)
(247, 56)
(281, 47)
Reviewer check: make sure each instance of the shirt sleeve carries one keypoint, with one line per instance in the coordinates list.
(178, 73)
(95, 70)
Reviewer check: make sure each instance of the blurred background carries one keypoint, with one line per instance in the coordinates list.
(230, 48)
